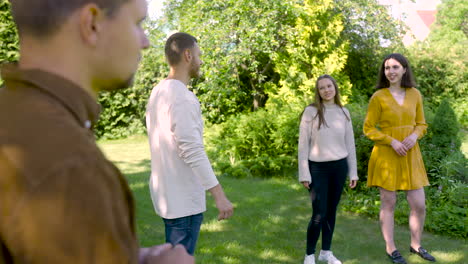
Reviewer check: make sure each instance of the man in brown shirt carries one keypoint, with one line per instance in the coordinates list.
(61, 200)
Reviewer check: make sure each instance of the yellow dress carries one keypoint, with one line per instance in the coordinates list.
(386, 168)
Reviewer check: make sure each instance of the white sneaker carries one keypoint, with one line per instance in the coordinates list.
(309, 259)
(327, 255)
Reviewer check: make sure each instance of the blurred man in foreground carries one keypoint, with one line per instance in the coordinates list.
(61, 200)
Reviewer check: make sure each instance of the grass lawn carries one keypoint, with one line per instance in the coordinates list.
(269, 223)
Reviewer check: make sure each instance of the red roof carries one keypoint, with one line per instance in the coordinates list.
(427, 16)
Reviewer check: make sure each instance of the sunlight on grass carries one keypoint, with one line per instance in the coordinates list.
(129, 155)
(138, 185)
(441, 256)
(230, 260)
(213, 226)
(275, 219)
(269, 254)
(449, 257)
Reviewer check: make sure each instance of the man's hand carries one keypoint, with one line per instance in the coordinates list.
(306, 184)
(410, 141)
(352, 184)
(399, 148)
(224, 206)
(165, 254)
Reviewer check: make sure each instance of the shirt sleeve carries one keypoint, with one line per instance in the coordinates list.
(351, 147)
(374, 112)
(187, 128)
(421, 125)
(305, 131)
(80, 213)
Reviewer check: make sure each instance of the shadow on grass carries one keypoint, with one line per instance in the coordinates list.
(269, 226)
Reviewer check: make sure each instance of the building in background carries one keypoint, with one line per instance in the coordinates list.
(417, 14)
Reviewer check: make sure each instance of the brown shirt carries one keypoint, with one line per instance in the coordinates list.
(61, 200)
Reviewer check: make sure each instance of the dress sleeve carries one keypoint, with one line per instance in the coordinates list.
(187, 128)
(421, 125)
(374, 112)
(351, 147)
(305, 131)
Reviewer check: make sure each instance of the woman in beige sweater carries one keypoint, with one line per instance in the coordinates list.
(326, 156)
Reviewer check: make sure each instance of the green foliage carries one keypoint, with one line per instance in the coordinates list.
(313, 48)
(445, 129)
(371, 33)
(363, 144)
(238, 39)
(451, 25)
(442, 138)
(255, 51)
(259, 144)
(9, 42)
(440, 63)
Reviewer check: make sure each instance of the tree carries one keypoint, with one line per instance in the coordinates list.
(451, 26)
(9, 43)
(254, 49)
(313, 48)
(238, 38)
(371, 33)
(440, 62)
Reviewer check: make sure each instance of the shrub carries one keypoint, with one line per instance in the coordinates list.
(363, 144)
(442, 139)
(257, 144)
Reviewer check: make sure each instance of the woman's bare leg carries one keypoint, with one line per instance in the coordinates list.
(387, 209)
(417, 202)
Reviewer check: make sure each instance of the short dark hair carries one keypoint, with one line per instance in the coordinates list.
(176, 44)
(407, 80)
(42, 18)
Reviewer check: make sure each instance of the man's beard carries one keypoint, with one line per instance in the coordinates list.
(194, 71)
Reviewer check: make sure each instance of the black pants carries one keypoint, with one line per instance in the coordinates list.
(328, 179)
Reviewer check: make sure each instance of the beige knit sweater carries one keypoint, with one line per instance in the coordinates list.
(329, 143)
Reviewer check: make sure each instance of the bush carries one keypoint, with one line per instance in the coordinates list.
(257, 144)
(363, 144)
(122, 114)
(442, 139)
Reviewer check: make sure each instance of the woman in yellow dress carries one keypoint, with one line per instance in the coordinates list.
(395, 121)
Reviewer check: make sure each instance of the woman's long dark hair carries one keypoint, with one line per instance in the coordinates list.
(407, 80)
(318, 101)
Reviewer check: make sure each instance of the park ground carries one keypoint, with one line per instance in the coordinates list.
(270, 220)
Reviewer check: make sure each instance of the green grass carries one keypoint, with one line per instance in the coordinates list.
(269, 222)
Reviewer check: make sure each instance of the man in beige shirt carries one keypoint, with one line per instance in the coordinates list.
(61, 200)
(180, 170)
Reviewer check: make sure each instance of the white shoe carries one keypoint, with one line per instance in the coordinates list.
(309, 259)
(327, 255)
